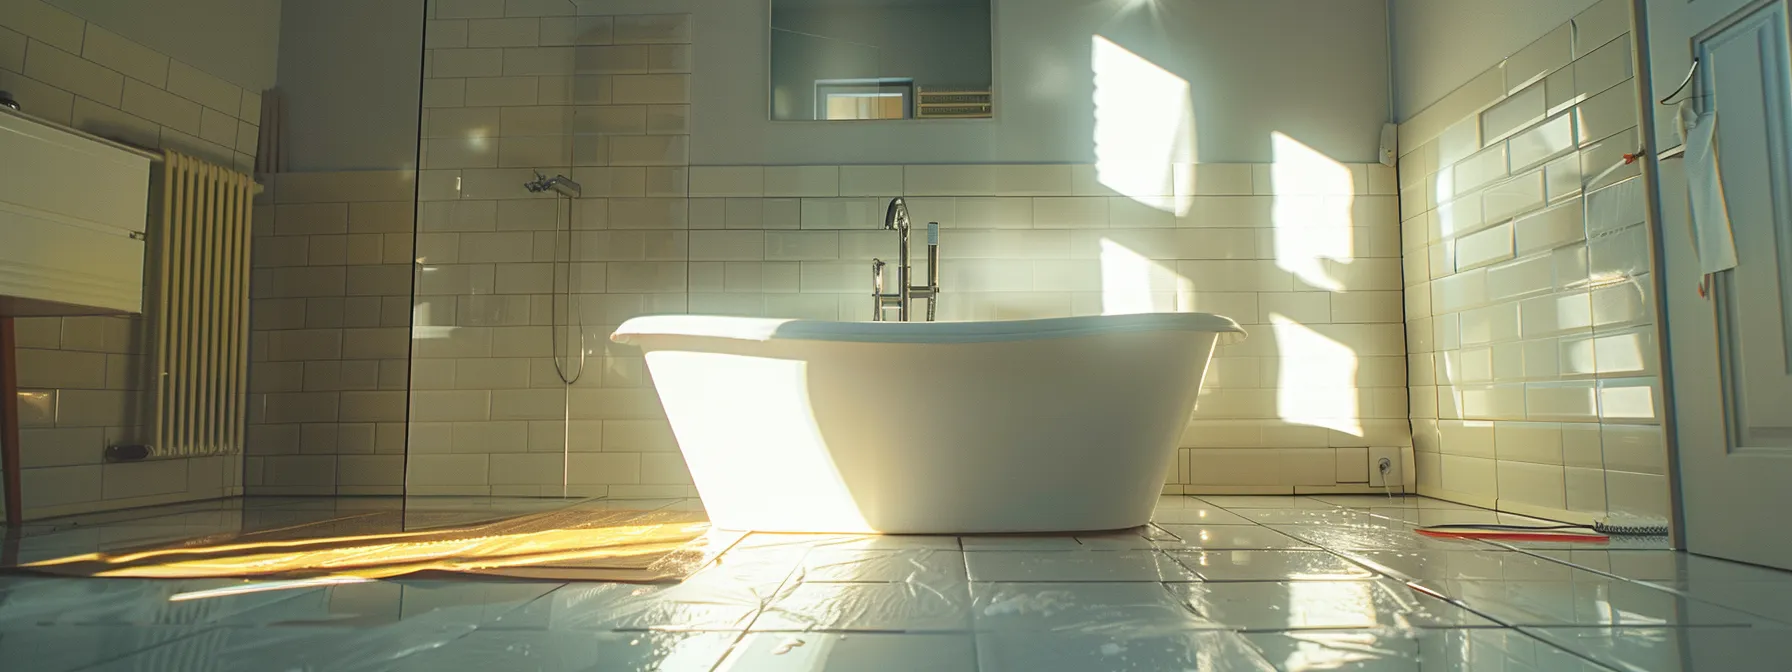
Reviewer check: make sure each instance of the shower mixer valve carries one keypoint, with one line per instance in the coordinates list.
(896, 219)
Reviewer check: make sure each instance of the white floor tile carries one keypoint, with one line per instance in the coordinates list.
(704, 602)
(853, 652)
(1230, 537)
(1373, 537)
(1675, 649)
(1265, 502)
(1396, 650)
(1591, 603)
(1075, 566)
(930, 567)
(1118, 649)
(876, 607)
(1079, 607)
(573, 652)
(1323, 604)
(1270, 565)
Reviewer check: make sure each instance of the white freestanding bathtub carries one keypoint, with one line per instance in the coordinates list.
(929, 428)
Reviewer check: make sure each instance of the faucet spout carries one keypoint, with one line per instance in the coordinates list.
(896, 216)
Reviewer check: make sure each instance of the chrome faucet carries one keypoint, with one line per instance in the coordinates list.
(896, 219)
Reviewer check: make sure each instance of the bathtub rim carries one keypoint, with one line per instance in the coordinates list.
(636, 330)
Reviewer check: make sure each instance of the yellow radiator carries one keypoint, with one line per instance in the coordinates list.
(201, 275)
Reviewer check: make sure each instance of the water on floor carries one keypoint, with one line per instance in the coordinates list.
(1216, 584)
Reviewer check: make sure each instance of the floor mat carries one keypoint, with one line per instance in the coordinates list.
(574, 544)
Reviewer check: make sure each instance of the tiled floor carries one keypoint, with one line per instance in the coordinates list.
(1217, 584)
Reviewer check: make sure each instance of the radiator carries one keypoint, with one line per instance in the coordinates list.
(201, 274)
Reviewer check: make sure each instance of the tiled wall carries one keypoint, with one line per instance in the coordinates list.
(330, 348)
(82, 379)
(605, 100)
(601, 99)
(1530, 314)
(1295, 407)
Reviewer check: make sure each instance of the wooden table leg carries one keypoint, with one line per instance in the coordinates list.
(9, 422)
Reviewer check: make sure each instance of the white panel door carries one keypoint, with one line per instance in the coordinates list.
(1732, 369)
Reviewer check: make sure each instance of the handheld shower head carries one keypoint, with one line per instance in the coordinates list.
(560, 184)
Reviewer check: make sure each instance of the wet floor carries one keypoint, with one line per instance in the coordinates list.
(1216, 584)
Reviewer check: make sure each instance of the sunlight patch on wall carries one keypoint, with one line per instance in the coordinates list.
(1144, 125)
(1132, 283)
(1317, 380)
(1314, 195)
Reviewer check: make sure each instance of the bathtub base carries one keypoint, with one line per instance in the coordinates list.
(1073, 432)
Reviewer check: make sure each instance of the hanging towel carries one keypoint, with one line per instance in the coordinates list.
(1712, 237)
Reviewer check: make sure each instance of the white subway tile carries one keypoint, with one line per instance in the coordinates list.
(445, 34)
(1549, 229)
(580, 31)
(1216, 179)
(135, 60)
(649, 150)
(727, 245)
(648, 213)
(669, 119)
(799, 181)
(653, 29)
(1615, 207)
(469, 9)
(1543, 142)
(1606, 114)
(523, 32)
(727, 181)
(1552, 51)
(661, 88)
(72, 73)
(1131, 213)
(884, 181)
(610, 120)
(447, 470)
(1513, 197)
(574, 90)
(1623, 304)
(1458, 142)
(468, 63)
(850, 213)
(995, 213)
(1604, 160)
(801, 246)
(46, 23)
(1033, 180)
(54, 104)
(1532, 484)
(1601, 23)
(1307, 308)
(1484, 247)
(1480, 169)
(1076, 212)
(1571, 401)
(949, 180)
(651, 276)
(1602, 69)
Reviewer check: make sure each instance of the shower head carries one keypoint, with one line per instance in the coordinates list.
(560, 184)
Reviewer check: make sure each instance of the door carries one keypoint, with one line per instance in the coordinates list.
(1732, 370)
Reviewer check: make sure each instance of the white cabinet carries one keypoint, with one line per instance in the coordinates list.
(73, 212)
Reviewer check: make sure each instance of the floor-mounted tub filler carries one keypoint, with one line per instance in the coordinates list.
(1052, 425)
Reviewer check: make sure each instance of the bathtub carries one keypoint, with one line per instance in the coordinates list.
(1053, 425)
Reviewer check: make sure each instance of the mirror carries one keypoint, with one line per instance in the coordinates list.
(853, 60)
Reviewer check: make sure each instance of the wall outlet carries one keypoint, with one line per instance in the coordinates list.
(1390, 476)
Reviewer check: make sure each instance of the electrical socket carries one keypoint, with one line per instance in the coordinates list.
(1392, 477)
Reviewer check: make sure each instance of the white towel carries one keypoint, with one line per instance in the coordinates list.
(1712, 236)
